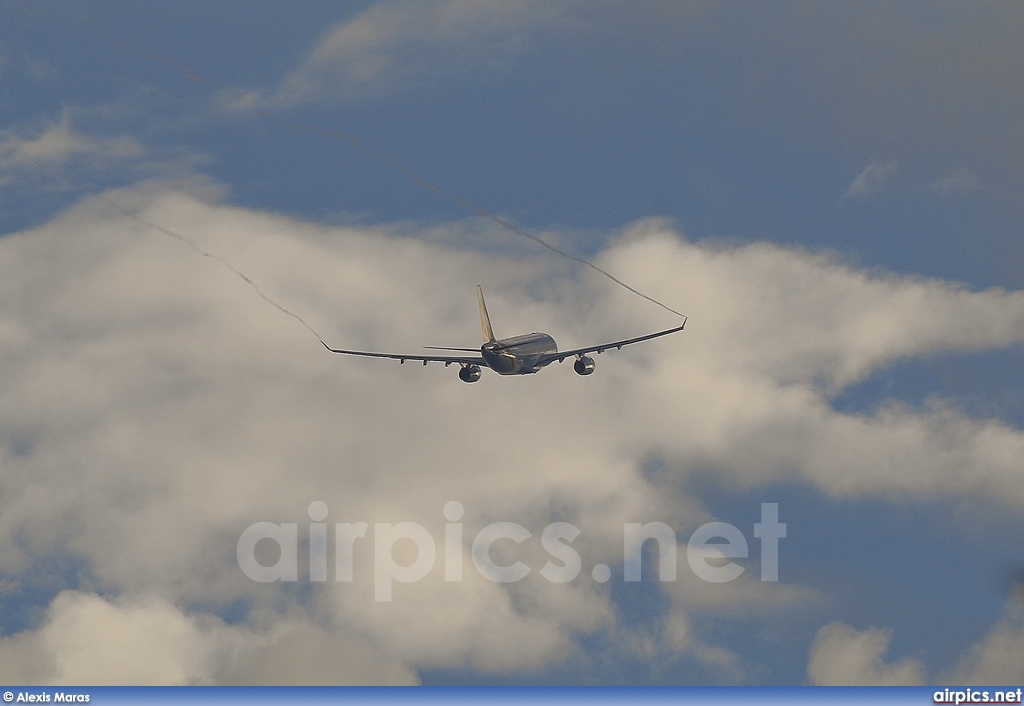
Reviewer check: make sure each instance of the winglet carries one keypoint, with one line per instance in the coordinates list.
(485, 321)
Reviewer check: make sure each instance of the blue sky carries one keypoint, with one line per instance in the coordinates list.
(831, 192)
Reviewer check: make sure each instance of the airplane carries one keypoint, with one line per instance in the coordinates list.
(518, 355)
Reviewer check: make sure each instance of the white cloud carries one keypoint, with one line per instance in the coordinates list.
(47, 156)
(845, 656)
(153, 407)
(87, 639)
(57, 143)
(396, 42)
(871, 179)
(996, 658)
(961, 181)
(301, 653)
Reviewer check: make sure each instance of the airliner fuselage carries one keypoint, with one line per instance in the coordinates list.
(519, 355)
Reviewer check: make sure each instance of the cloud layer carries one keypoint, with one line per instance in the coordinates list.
(154, 407)
(871, 179)
(843, 655)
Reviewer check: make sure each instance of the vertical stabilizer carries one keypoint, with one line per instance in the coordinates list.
(485, 320)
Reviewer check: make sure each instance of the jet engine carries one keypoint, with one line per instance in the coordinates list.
(584, 365)
(469, 373)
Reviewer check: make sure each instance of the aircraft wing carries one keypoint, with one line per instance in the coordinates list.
(602, 347)
(402, 357)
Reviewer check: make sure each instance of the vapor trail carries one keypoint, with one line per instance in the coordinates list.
(190, 243)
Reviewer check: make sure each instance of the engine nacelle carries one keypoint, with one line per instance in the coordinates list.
(469, 373)
(584, 365)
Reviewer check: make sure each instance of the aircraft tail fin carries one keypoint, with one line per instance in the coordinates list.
(485, 320)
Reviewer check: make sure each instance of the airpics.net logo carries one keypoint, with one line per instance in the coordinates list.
(710, 550)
